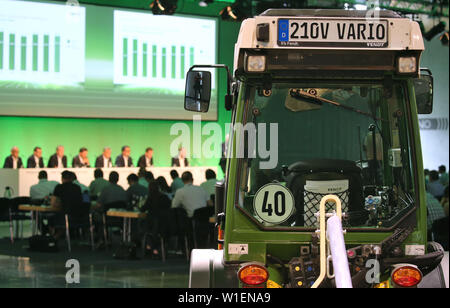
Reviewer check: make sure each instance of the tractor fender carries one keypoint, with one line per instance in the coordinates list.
(438, 278)
(207, 270)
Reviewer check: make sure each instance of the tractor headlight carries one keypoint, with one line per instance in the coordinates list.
(407, 65)
(256, 64)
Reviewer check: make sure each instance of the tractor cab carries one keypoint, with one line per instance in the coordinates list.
(324, 182)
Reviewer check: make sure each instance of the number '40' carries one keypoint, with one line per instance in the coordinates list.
(279, 204)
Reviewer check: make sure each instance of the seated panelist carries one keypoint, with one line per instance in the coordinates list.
(146, 160)
(104, 160)
(124, 159)
(35, 160)
(58, 160)
(180, 160)
(13, 161)
(81, 160)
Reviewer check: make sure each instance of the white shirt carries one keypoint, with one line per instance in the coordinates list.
(190, 197)
(106, 162)
(125, 161)
(60, 163)
(37, 162)
(82, 161)
(181, 160)
(148, 162)
(15, 160)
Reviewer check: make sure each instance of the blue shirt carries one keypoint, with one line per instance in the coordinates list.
(42, 189)
(435, 188)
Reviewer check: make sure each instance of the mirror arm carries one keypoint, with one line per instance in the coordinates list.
(228, 97)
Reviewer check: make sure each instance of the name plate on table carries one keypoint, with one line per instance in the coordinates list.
(360, 33)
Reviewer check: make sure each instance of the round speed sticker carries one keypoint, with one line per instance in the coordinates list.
(273, 203)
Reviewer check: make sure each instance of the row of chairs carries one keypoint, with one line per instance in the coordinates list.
(9, 212)
(191, 233)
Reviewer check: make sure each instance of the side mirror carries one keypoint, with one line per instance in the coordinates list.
(423, 87)
(198, 91)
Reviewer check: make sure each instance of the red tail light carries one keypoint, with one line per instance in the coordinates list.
(253, 274)
(406, 276)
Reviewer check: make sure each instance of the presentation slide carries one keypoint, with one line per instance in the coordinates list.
(88, 61)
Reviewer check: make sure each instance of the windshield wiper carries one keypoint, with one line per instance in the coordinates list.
(299, 94)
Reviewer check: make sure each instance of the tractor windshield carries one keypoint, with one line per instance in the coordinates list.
(347, 139)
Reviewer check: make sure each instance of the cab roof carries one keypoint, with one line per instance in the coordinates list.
(327, 13)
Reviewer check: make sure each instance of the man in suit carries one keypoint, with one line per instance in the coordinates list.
(81, 160)
(124, 159)
(146, 160)
(13, 161)
(180, 160)
(35, 160)
(104, 160)
(58, 160)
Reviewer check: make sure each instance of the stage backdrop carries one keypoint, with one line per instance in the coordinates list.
(73, 133)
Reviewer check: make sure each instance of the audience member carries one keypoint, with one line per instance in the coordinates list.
(141, 175)
(164, 187)
(35, 160)
(13, 161)
(177, 183)
(146, 160)
(44, 188)
(66, 198)
(426, 173)
(158, 221)
(81, 160)
(435, 187)
(104, 160)
(113, 192)
(190, 197)
(135, 191)
(58, 160)
(149, 176)
(124, 159)
(443, 175)
(97, 185)
(210, 184)
(445, 201)
(84, 188)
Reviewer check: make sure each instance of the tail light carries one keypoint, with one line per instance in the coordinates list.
(406, 276)
(253, 274)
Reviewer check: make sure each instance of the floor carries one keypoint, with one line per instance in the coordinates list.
(22, 268)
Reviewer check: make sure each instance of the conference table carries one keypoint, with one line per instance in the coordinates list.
(20, 180)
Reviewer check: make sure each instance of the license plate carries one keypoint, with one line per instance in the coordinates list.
(332, 33)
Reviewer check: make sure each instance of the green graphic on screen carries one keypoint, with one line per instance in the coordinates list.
(99, 62)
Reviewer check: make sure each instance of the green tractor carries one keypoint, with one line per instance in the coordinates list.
(324, 183)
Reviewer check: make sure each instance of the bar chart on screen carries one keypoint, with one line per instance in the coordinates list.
(42, 43)
(157, 51)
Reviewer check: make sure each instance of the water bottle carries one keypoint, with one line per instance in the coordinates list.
(8, 192)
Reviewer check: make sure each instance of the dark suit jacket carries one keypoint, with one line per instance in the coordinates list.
(53, 161)
(9, 162)
(176, 162)
(99, 162)
(76, 163)
(141, 162)
(121, 163)
(32, 164)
